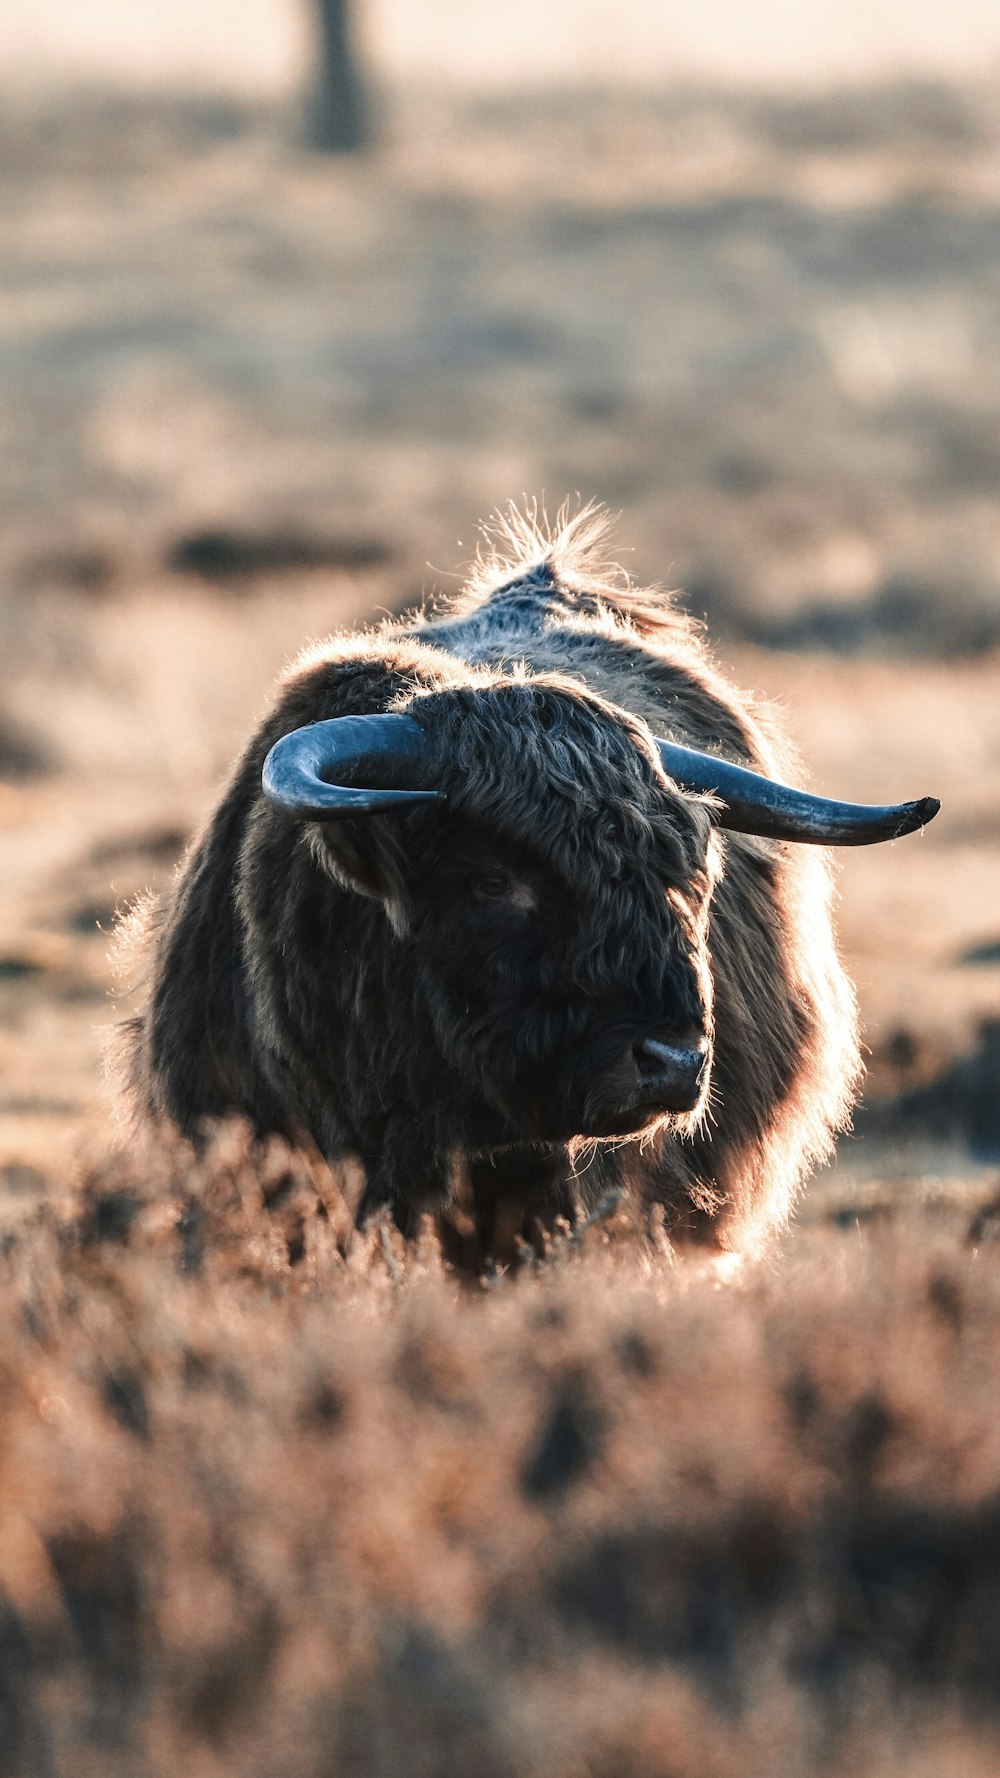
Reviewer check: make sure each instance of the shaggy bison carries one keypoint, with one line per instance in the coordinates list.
(512, 905)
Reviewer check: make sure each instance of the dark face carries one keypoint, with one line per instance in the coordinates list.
(576, 1004)
(555, 913)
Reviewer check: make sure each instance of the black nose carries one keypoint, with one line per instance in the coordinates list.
(670, 1074)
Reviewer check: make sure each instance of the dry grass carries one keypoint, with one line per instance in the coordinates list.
(282, 1500)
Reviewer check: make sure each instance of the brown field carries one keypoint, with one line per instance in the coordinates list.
(277, 1499)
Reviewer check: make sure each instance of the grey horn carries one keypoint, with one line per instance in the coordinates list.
(754, 804)
(302, 771)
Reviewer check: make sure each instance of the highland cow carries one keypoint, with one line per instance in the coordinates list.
(513, 903)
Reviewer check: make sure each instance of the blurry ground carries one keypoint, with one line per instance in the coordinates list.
(280, 1499)
(246, 397)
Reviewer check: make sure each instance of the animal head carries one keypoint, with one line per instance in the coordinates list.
(549, 866)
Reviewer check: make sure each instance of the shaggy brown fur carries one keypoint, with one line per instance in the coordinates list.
(354, 984)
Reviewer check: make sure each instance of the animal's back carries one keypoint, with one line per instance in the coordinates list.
(564, 609)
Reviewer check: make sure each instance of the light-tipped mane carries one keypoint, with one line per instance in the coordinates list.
(522, 544)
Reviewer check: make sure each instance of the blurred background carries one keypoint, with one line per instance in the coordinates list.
(292, 295)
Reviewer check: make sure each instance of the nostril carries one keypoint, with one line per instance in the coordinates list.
(648, 1062)
(655, 1059)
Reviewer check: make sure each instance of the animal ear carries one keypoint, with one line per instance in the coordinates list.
(366, 858)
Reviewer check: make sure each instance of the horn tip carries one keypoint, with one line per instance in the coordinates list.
(920, 813)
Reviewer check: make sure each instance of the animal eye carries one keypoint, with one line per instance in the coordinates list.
(492, 887)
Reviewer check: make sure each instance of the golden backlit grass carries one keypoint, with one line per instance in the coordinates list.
(279, 1499)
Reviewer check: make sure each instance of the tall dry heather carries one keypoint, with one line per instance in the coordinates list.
(283, 1498)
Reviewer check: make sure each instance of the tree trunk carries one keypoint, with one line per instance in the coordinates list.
(339, 121)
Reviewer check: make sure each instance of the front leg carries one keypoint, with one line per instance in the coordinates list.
(518, 1194)
(404, 1180)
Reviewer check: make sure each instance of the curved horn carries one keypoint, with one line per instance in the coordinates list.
(298, 770)
(754, 804)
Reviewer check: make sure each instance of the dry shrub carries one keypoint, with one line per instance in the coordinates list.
(280, 1499)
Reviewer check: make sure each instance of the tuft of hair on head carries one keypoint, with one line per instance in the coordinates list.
(521, 546)
(523, 543)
